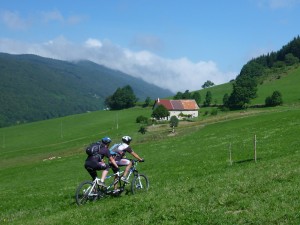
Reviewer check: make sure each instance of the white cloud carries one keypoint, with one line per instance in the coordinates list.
(174, 74)
(57, 16)
(277, 4)
(93, 43)
(52, 16)
(13, 20)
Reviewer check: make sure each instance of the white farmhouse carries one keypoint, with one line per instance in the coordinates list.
(179, 108)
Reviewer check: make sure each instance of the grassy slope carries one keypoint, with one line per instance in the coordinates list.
(288, 85)
(192, 181)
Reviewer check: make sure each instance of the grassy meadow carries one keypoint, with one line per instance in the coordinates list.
(287, 82)
(192, 180)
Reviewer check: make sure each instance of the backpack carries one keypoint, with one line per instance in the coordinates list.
(93, 149)
(114, 149)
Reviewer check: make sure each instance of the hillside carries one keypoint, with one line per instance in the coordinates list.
(266, 73)
(33, 88)
(234, 167)
(43, 163)
(285, 80)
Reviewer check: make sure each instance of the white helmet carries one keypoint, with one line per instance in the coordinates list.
(126, 139)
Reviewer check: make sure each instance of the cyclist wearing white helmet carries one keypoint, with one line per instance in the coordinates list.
(120, 157)
(96, 161)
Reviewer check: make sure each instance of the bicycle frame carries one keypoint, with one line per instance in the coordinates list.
(107, 190)
(114, 181)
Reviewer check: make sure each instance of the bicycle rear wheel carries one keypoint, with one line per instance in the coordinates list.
(140, 183)
(85, 192)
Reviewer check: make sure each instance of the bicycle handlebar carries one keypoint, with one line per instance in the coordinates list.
(135, 160)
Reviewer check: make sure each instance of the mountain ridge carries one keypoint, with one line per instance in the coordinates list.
(35, 88)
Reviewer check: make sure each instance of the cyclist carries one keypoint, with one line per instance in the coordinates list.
(96, 162)
(120, 157)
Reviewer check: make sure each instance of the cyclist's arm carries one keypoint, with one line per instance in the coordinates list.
(136, 156)
(112, 160)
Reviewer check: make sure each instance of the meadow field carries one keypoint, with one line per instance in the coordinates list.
(204, 173)
(192, 180)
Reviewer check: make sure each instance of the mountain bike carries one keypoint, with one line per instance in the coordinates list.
(139, 182)
(90, 190)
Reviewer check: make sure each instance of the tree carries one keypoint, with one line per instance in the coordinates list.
(197, 97)
(178, 95)
(147, 102)
(274, 100)
(187, 95)
(244, 89)
(123, 98)
(225, 100)
(207, 84)
(160, 112)
(208, 99)
(252, 69)
(290, 59)
(173, 122)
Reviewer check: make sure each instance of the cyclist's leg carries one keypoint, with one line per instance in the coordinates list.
(127, 163)
(105, 168)
(116, 177)
(91, 170)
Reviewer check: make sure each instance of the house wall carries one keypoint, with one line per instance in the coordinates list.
(193, 113)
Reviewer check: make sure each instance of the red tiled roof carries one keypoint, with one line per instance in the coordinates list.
(189, 104)
(166, 103)
(179, 105)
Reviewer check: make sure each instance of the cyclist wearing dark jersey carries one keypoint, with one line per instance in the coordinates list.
(96, 162)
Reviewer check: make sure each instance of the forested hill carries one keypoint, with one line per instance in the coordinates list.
(35, 88)
(258, 67)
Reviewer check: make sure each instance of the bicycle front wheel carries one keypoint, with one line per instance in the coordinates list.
(85, 192)
(140, 183)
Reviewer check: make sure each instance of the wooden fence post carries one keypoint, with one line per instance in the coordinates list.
(230, 158)
(255, 147)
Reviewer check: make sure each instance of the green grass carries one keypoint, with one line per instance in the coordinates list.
(191, 178)
(217, 92)
(287, 83)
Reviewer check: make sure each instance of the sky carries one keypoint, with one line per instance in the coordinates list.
(174, 44)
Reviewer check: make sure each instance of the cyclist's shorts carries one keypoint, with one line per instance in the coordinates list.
(123, 162)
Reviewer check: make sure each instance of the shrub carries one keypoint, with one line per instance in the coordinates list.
(214, 112)
(173, 122)
(142, 130)
(160, 112)
(274, 100)
(141, 119)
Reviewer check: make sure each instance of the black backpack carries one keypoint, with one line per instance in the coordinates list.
(93, 149)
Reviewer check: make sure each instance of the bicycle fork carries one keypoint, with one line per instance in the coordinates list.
(139, 184)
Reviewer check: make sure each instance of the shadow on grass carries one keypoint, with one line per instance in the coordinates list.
(245, 161)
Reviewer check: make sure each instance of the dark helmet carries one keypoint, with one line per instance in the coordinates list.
(126, 139)
(106, 140)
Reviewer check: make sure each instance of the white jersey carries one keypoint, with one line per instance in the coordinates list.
(122, 146)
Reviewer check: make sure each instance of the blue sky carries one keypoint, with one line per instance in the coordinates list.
(176, 44)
